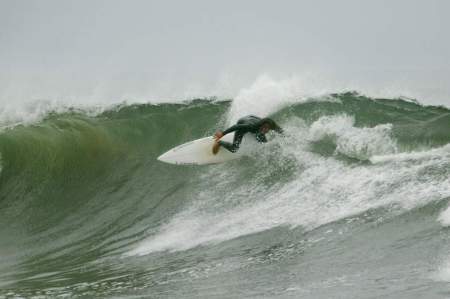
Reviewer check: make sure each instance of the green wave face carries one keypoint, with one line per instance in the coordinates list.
(87, 210)
(52, 170)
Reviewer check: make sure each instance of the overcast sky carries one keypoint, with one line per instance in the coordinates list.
(151, 49)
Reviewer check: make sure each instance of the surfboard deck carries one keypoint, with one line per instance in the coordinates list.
(199, 152)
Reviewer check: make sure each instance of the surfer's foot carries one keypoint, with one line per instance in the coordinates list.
(216, 147)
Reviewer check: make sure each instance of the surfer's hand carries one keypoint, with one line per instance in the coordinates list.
(218, 135)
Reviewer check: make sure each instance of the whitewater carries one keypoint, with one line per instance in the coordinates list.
(353, 202)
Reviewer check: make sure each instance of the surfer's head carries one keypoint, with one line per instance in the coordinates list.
(267, 124)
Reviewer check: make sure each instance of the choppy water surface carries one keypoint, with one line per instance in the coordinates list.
(351, 203)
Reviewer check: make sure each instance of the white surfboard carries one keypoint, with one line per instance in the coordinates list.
(199, 152)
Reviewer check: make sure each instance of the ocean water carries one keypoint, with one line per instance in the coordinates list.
(353, 202)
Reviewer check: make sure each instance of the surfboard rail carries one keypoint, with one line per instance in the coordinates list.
(198, 152)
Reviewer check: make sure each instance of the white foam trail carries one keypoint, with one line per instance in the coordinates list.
(443, 272)
(320, 190)
(431, 154)
(444, 219)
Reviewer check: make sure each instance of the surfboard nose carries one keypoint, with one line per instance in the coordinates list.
(165, 158)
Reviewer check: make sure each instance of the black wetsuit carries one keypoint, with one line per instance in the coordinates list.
(247, 124)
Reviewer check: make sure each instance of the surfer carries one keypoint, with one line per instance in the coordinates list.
(248, 124)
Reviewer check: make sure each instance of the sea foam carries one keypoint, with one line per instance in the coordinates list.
(354, 142)
(319, 189)
(444, 219)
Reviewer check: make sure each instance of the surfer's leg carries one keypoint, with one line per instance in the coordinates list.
(232, 147)
(229, 146)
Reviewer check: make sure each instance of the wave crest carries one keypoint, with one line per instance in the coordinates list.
(351, 141)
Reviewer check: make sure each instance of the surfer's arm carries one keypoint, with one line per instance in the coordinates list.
(240, 127)
(237, 127)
